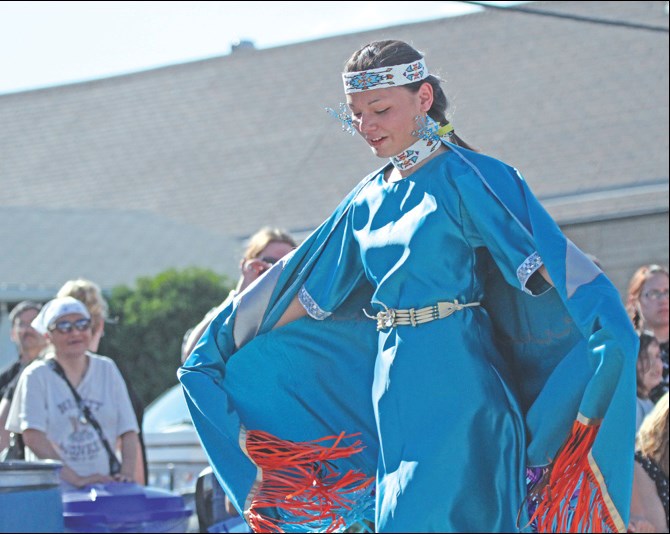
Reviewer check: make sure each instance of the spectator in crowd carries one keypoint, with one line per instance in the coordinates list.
(649, 375)
(72, 404)
(90, 294)
(263, 250)
(649, 505)
(647, 305)
(30, 345)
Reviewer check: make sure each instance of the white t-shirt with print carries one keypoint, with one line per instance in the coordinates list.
(43, 401)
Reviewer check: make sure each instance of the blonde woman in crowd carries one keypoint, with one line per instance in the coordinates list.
(264, 249)
(649, 505)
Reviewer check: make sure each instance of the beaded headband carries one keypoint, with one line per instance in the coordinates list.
(364, 80)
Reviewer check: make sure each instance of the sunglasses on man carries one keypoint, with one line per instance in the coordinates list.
(65, 327)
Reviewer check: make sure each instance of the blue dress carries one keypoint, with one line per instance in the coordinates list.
(449, 422)
(449, 414)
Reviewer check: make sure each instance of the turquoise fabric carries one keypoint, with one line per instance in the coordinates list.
(452, 411)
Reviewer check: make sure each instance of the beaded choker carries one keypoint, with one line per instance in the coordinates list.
(426, 145)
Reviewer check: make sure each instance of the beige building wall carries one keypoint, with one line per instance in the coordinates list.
(622, 245)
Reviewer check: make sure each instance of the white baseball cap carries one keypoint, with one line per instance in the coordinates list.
(55, 309)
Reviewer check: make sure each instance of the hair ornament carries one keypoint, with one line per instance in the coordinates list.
(344, 117)
(446, 131)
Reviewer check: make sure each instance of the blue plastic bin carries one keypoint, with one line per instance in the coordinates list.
(30, 496)
(232, 524)
(124, 507)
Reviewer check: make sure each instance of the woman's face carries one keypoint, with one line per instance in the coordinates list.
(654, 374)
(386, 118)
(653, 302)
(271, 254)
(67, 337)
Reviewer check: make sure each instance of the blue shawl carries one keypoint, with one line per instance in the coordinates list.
(574, 348)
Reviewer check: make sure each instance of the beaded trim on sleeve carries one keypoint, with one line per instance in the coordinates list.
(311, 307)
(531, 264)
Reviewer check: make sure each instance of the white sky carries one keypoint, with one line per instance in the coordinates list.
(53, 43)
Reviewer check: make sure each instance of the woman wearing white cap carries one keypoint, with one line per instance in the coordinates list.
(73, 404)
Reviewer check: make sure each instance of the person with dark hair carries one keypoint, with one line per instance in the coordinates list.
(433, 344)
(649, 375)
(30, 345)
(648, 307)
(28, 341)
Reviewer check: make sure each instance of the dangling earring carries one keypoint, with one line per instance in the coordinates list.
(429, 130)
(344, 117)
(426, 128)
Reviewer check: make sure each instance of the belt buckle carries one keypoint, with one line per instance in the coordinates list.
(385, 319)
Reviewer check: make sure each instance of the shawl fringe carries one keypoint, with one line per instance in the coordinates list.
(569, 499)
(301, 489)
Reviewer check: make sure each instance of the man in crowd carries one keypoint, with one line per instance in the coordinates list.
(30, 345)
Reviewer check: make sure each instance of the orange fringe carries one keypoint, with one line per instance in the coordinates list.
(299, 478)
(571, 472)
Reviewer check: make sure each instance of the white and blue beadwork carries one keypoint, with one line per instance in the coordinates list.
(414, 155)
(369, 79)
(531, 264)
(406, 159)
(344, 117)
(415, 71)
(429, 141)
(311, 307)
(365, 80)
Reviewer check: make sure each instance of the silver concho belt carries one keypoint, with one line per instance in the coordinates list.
(390, 317)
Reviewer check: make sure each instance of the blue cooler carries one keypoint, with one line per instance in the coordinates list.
(124, 507)
(30, 496)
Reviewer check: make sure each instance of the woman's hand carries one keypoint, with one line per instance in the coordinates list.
(124, 477)
(96, 478)
(251, 270)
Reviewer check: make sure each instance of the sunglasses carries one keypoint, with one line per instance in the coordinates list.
(65, 327)
(269, 259)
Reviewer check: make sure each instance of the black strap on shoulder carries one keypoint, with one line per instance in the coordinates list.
(114, 464)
